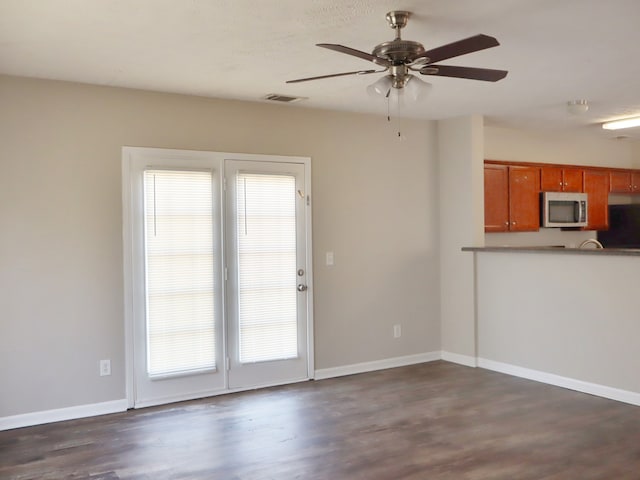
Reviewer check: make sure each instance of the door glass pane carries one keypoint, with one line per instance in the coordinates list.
(266, 229)
(179, 271)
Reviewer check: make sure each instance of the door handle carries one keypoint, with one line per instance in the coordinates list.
(301, 287)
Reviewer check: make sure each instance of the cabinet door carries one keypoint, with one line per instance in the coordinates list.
(596, 186)
(558, 179)
(572, 179)
(551, 179)
(496, 198)
(635, 182)
(524, 199)
(620, 182)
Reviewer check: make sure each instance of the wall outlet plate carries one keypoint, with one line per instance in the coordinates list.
(397, 331)
(105, 368)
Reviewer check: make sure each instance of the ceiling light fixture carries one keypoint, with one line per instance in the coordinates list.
(381, 86)
(577, 107)
(624, 123)
(416, 88)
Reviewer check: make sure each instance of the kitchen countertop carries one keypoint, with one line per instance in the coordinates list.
(558, 250)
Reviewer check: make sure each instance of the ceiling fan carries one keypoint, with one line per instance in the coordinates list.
(401, 57)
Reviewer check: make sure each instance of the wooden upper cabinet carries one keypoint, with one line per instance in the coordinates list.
(572, 179)
(512, 192)
(511, 198)
(551, 179)
(559, 179)
(596, 186)
(496, 198)
(524, 198)
(624, 182)
(620, 182)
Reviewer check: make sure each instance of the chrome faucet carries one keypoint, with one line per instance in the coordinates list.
(591, 241)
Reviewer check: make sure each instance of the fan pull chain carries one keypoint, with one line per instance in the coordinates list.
(398, 107)
(388, 106)
(400, 92)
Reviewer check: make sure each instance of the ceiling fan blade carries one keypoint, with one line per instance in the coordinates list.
(486, 74)
(357, 72)
(461, 47)
(356, 53)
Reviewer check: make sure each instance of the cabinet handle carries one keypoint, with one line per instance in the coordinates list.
(513, 223)
(506, 223)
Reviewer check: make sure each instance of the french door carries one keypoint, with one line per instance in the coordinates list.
(216, 250)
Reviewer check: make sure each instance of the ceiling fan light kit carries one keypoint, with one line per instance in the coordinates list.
(381, 86)
(416, 89)
(401, 57)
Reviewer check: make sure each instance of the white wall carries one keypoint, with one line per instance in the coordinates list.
(635, 152)
(460, 147)
(61, 289)
(566, 147)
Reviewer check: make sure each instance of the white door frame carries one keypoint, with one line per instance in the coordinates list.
(128, 154)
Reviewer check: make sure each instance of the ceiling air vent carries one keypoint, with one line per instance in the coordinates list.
(275, 97)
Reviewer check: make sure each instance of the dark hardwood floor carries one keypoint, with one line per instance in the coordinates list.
(431, 421)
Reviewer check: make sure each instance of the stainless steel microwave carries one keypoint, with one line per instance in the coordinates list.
(564, 209)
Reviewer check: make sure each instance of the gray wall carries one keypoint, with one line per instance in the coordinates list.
(570, 315)
(460, 148)
(61, 287)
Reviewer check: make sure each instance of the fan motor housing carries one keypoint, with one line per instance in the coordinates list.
(399, 51)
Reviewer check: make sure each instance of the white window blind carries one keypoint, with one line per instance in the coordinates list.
(179, 271)
(266, 230)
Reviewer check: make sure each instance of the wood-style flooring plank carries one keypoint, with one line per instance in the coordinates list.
(430, 421)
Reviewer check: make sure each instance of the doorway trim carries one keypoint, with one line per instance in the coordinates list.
(128, 153)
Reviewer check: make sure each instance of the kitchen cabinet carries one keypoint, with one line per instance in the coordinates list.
(512, 191)
(596, 186)
(496, 198)
(561, 179)
(511, 198)
(624, 182)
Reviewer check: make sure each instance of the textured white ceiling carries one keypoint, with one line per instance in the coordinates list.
(555, 51)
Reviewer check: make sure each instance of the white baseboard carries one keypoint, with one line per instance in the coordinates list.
(115, 406)
(465, 360)
(376, 365)
(60, 414)
(572, 384)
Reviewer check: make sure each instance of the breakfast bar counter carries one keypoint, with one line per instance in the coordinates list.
(559, 250)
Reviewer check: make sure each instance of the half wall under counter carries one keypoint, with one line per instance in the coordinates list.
(562, 316)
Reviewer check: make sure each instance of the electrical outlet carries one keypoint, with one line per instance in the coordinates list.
(397, 331)
(105, 368)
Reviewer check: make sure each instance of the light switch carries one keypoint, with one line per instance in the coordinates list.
(329, 259)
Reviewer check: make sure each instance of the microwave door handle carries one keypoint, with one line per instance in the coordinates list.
(581, 211)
